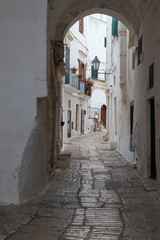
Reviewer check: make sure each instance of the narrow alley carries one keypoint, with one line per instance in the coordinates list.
(101, 196)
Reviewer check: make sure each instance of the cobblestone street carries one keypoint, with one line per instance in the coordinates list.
(101, 197)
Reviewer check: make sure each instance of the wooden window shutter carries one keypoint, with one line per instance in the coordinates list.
(82, 69)
(81, 25)
(114, 27)
(94, 74)
(67, 62)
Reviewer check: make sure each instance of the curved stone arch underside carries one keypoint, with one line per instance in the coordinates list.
(123, 10)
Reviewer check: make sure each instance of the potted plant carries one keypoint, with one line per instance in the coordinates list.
(80, 76)
(74, 70)
(90, 82)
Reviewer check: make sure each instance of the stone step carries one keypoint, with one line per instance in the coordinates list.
(63, 160)
(113, 145)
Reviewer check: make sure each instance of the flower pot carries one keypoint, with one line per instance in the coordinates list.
(74, 70)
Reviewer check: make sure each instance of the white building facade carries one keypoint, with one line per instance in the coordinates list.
(120, 92)
(75, 95)
(80, 97)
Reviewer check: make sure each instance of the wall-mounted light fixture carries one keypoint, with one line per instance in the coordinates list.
(96, 63)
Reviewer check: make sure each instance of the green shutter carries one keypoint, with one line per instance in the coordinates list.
(94, 74)
(114, 27)
(67, 62)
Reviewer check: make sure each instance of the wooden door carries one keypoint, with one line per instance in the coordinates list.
(152, 139)
(103, 115)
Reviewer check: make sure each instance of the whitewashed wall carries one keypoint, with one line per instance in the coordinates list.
(78, 47)
(78, 51)
(98, 98)
(141, 17)
(150, 31)
(121, 93)
(95, 34)
(22, 80)
(75, 99)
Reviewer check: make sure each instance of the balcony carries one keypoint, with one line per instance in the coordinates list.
(75, 84)
(73, 80)
(85, 88)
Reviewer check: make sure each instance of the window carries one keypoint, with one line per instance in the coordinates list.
(94, 73)
(151, 76)
(82, 70)
(77, 117)
(105, 42)
(81, 25)
(114, 27)
(67, 62)
(132, 147)
(69, 103)
(139, 50)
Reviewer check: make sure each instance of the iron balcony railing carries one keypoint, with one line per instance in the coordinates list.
(72, 79)
(77, 82)
(85, 88)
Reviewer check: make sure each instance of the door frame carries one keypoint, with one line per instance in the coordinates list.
(153, 169)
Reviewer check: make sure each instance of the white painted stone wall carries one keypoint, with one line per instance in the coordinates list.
(78, 51)
(150, 32)
(108, 47)
(98, 99)
(23, 72)
(78, 46)
(96, 28)
(22, 80)
(85, 47)
(83, 105)
(121, 92)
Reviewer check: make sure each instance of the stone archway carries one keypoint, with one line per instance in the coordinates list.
(33, 31)
(60, 19)
(61, 16)
(124, 11)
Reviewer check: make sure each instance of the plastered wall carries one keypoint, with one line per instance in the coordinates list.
(150, 32)
(22, 80)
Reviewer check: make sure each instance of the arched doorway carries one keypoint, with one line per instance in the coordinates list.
(42, 25)
(57, 30)
(103, 115)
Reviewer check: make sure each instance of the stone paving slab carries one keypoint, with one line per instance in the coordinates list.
(101, 197)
